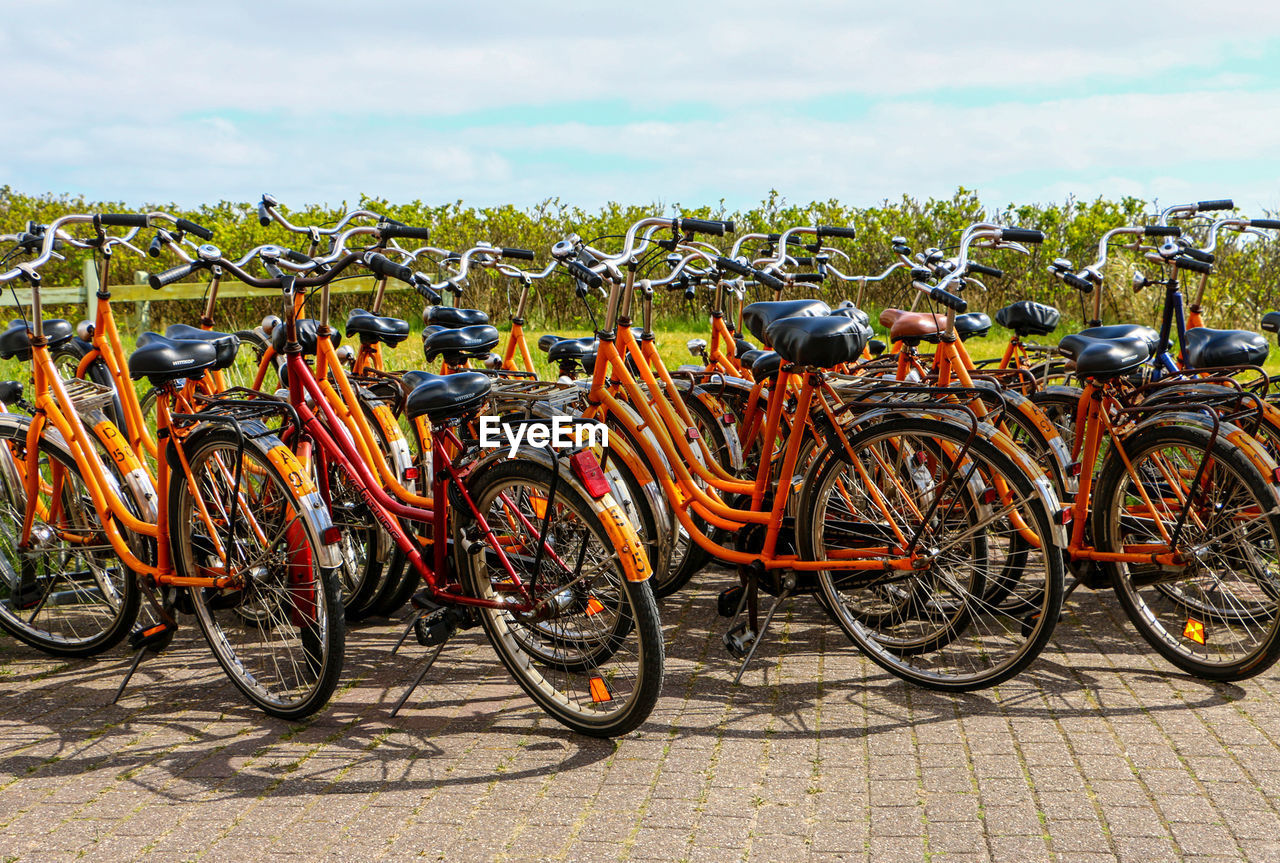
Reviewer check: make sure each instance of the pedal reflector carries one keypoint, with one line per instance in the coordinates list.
(1193, 631)
(593, 606)
(600, 691)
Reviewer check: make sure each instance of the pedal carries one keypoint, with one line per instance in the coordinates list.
(729, 600)
(738, 640)
(154, 638)
(438, 626)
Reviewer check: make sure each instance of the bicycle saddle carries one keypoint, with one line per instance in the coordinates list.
(821, 342)
(160, 360)
(1027, 318)
(763, 364)
(1105, 357)
(1206, 348)
(758, 316)
(16, 340)
(972, 324)
(1123, 331)
(571, 349)
(307, 336)
(849, 310)
(226, 344)
(1271, 322)
(373, 329)
(442, 397)
(457, 344)
(913, 327)
(448, 316)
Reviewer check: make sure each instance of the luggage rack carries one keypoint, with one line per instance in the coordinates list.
(520, 395)
(86, 395)
(238, 405)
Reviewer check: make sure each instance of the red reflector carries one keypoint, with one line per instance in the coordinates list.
(990, 496)
(587, 470)
(411, 473)
(331, 535)
(692, 434)
(727, 419)
(1064, 516)
(1074, 468)
(600, 690)
(1276, 475)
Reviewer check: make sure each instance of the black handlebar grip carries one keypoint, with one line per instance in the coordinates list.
(1273, 224)
(807, 278)
(993, 272)
(1162, 230)
(192, 228)
(715, 227)
(168, 277)
(1197, 254)
(734, 267)
(431, 295)
(584, 274)
(384, 266)
(1022, 235)
(518, 254)
(801, 260)
(1193, 265)
(297, 257)
(836, 231)
(1084, 286)
(792, 240)
(264, 218)
(1223, 204)
(156, 246)
(123, 220)
(390, 229)
(949, 300)
(770, 281)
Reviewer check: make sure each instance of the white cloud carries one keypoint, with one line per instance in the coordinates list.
(323, 101)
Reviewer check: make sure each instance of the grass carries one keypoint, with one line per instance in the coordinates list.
(672, 339)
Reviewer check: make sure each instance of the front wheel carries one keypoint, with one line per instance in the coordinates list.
(277, 627)
(977, 519)
(590, 652)
(1216, 615)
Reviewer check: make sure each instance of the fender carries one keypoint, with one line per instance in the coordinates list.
(311, 506)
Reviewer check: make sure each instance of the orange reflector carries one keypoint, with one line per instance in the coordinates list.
(1193, 631)
(147, 633)
(600, 690)
(594, 606)
(539, 505)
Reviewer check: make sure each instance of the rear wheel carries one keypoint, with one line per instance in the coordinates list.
(591, 655)
(277, 627)
(66, 592)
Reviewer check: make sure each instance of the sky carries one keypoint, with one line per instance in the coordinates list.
(685, 103)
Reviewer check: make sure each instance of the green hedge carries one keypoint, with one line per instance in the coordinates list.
(1244, 287)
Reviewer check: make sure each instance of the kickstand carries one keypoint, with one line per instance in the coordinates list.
(421, 674)
(137, 660)
(152, 639)
(408, 629)
(755, 642)
(1071, 588)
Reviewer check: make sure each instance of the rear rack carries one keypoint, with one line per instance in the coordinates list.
(238, 405)
(86, 395)
(512, 395)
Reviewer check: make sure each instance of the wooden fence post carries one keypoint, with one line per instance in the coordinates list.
(90, 284)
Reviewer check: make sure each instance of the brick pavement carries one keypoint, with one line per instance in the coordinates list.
(1099, 752)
